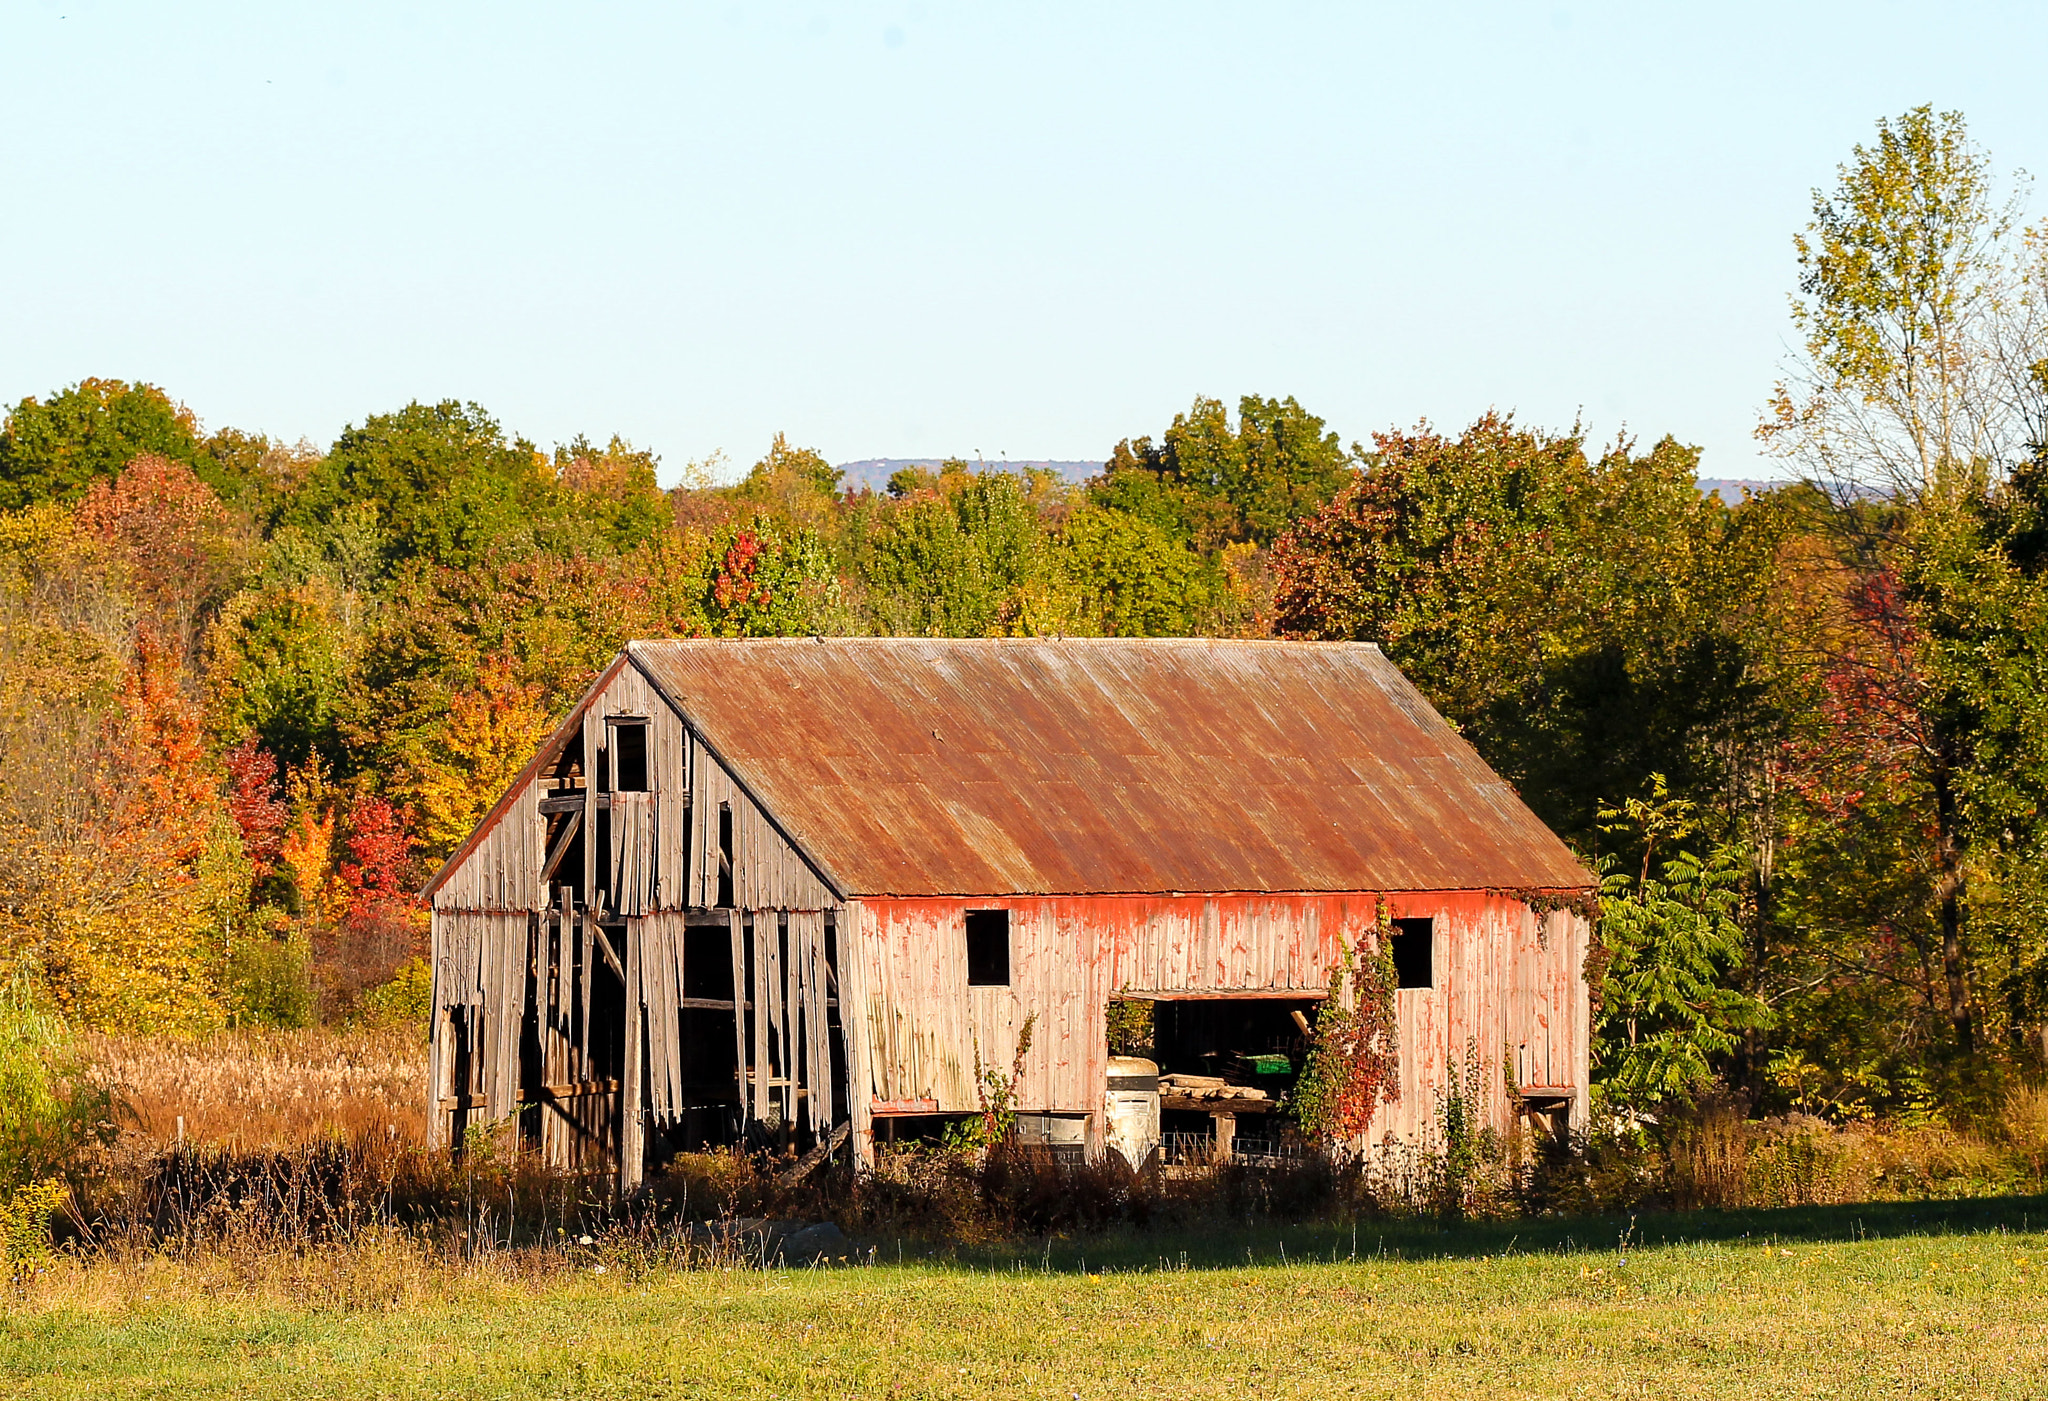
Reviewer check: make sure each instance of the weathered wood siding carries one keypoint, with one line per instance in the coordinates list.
(493, 932)
(768, 873)
(1509, 987)
(479, 967)
(503, 871)
(919, 1023)
(665, 850)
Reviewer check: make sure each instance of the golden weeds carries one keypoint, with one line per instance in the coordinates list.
(267, 1089)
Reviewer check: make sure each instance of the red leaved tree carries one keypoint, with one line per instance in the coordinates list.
(181, 547)
(256, 802)
(382, 921)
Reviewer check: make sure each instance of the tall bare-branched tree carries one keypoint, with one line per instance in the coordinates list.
(1917, 393)
(1921, 306)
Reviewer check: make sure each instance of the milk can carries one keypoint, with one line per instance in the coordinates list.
(1131, 1108)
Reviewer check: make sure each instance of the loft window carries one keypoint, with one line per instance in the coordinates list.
(988, 948)
(629, 756)
(1414, 953)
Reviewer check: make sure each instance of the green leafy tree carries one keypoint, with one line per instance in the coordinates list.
(762, 581)
(280, 667)
(50, 1106)
(1589, 621)
(53, 450)
(1132, 577)
(967, 558)
(536, 627)
(1672, 944)
(1921, 387)
(610, 497)
(1214, 483)
(447, 485)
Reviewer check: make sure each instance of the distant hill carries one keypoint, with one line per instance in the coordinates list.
(876, 471)
(1731, 488)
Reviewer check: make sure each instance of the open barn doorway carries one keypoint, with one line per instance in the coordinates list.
(1226, 1068)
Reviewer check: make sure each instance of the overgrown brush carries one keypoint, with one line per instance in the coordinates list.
(51, 1109)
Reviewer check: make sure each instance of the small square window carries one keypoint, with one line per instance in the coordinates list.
(629, 756)
(1414, 953)
(988, 948)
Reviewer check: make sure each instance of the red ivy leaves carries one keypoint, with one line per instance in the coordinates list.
(1354, 1063)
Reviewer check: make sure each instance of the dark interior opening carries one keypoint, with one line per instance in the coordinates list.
(707, 961)
(568, 872)
(915, 1128)
(724, 856)
(1232, 1037)
(568, 769)
(988, 948)
(1414, 953)
(629, 757)
(608, 1007)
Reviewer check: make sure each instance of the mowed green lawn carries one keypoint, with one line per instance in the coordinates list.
(1800, 1306)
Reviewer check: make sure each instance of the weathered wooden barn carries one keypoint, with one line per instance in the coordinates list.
(802, 888)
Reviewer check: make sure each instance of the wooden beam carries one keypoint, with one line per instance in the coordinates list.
(763, 1014)
(860, 1085)
(604, 946)
(739, 1012)
(632, 1110)
(1222, 994)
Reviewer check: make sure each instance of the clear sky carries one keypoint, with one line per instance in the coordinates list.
(924, 228)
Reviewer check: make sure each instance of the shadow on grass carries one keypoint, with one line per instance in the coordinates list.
(1407, 1238)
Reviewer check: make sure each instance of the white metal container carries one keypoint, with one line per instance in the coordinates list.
(1131, 1108)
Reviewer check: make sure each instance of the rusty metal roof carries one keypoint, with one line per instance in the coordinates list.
(910, 766)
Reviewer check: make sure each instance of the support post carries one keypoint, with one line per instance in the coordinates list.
(739, 1018)
(851, 926)
(632, 1082)
(1226, 1135)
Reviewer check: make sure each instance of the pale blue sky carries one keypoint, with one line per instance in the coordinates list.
(914, 229)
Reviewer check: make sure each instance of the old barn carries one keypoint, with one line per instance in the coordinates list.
(799, 889)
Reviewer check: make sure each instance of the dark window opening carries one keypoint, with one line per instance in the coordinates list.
(724, 856)
(988, 948)
(1414, 953)
(707, 962)
(629, 756)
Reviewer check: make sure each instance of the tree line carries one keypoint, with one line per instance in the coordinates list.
(253, 690)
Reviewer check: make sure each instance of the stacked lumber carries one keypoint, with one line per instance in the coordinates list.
(1209, 1092)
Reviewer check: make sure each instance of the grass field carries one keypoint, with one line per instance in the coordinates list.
(1932, 1300)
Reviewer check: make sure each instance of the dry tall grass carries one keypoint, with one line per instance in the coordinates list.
(267, 1089)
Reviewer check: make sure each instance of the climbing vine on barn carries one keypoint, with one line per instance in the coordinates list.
(1353, 1062)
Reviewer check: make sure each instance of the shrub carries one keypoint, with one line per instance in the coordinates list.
(50, 1110)
(25, 1223)
(272, 980)
(403, 1002)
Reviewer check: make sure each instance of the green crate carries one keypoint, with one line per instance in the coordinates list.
(1268, 1065)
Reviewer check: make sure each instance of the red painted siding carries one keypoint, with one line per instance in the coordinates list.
(1507, 985)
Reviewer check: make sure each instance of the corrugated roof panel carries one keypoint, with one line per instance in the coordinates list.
(1034, 766)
